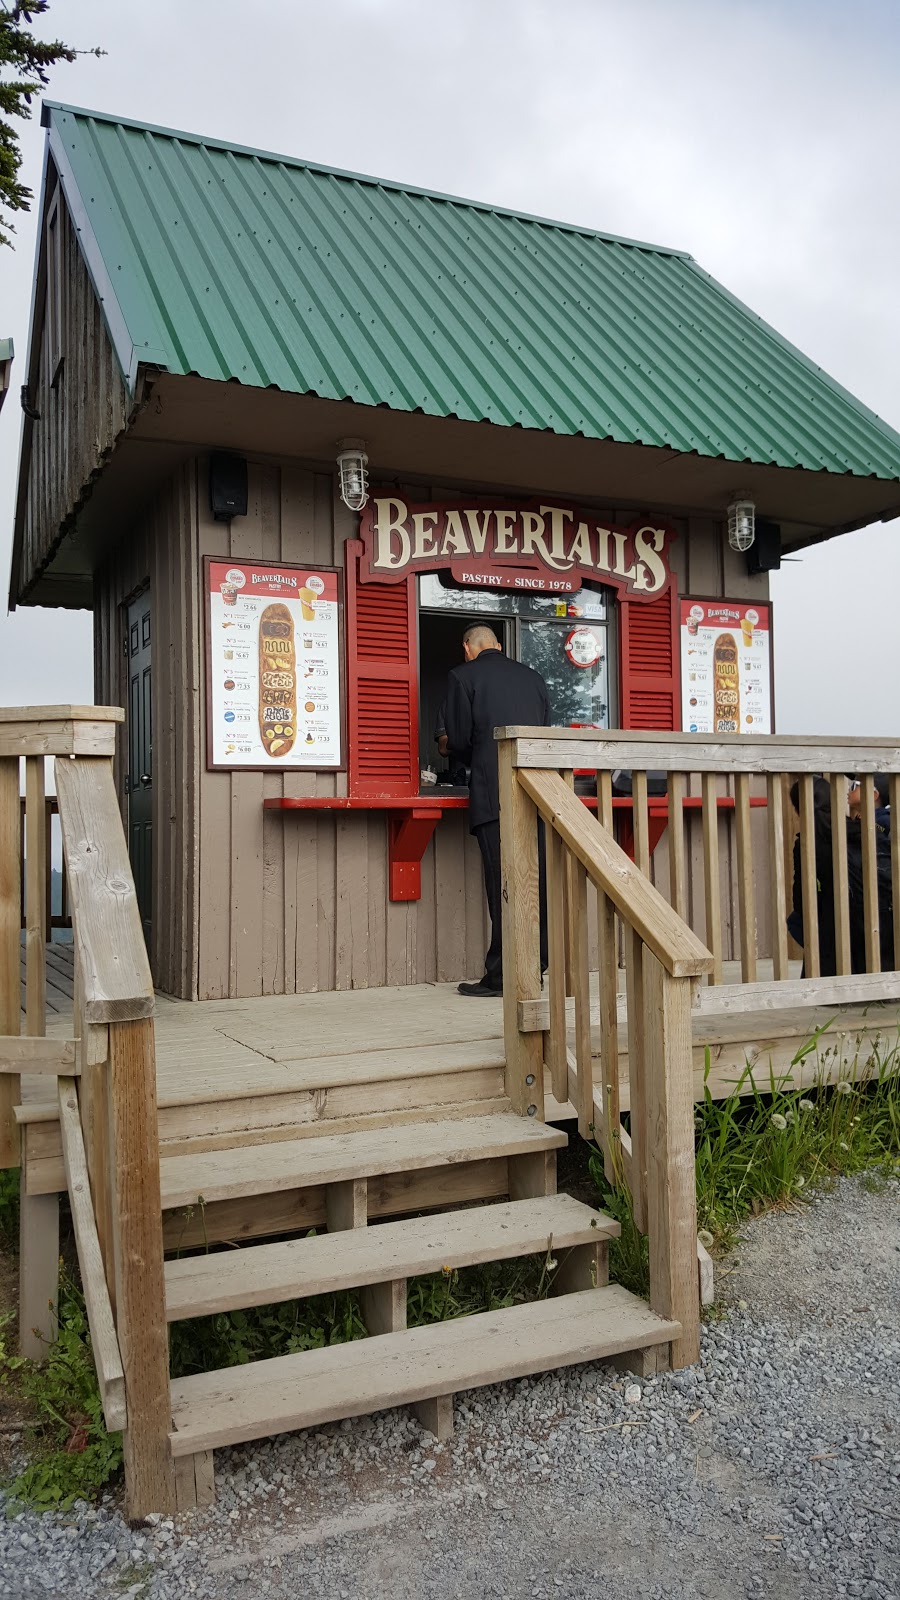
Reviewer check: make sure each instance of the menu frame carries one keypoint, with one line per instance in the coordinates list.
(741, 605)
(287, 764)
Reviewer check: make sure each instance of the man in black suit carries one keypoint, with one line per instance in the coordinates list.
(490, 691)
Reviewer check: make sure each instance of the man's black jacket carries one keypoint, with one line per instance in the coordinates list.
(490, 692)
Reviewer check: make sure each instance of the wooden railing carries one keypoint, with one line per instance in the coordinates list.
(664, 961)
(106, 1077)
(727, 869)
(54, 916)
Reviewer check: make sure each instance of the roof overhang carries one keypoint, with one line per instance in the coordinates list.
(189, 416)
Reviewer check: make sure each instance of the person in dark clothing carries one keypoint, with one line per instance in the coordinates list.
(824, 886)
(490, 691)
(825, 908)
(456, 772)
(881, 786)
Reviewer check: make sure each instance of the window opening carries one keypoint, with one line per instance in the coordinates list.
(567, 638)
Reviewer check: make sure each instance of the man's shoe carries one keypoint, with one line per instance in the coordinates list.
(480, 990)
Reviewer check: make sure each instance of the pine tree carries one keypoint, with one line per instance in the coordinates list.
(25, 64)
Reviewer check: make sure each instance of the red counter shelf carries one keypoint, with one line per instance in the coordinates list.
(412, 820)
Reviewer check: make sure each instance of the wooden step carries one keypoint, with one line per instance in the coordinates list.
(265, 1274)
(337, 1158)
(351, 1380)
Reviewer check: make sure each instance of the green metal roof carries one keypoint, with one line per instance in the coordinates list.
(233, 263)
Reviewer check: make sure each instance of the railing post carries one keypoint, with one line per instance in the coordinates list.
(138, 1267)
(671, 1175)
(10, 930)
(117, 1106)
(521, 936)
(38, 1214)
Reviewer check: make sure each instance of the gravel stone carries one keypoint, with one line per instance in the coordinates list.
(769, 1472)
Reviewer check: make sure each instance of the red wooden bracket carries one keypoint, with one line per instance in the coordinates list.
(409, 835)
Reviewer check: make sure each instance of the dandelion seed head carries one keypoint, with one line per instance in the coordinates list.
(778, 1121)
(843, 1087)
(807, 1105)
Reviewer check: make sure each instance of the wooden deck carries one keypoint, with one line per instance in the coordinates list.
(285, 1067)
(60, 970)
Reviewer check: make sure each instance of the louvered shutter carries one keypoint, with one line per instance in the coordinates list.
(382, 684)
(648, 634)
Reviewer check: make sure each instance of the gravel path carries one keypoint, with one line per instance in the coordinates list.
(772, 1470)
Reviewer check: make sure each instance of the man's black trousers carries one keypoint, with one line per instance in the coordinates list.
(488, 836)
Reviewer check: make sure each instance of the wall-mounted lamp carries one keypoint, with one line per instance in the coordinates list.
(741, 522)
(352, 462)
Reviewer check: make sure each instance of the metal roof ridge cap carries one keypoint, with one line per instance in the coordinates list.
(800, 355)
(212, 142)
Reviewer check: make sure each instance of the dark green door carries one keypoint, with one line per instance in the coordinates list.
(140, 755)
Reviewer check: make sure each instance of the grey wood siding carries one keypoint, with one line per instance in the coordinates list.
(82, 412)
(250, 902)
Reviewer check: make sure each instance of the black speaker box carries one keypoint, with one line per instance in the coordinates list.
(764, 554)
(227, 486)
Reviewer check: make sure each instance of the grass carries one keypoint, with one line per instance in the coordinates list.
(768, 1145)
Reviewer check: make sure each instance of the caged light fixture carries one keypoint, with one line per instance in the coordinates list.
(352, 464)
(741, 522)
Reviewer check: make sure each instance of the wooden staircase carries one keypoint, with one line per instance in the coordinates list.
(396, 1365)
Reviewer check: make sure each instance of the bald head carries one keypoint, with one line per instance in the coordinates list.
(477, 638)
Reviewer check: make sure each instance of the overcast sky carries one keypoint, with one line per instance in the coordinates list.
(760, 135)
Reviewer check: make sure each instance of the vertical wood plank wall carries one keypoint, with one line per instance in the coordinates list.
(248, 902)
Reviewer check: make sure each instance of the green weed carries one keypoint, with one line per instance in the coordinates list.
(766, 1144)
(230, 1339)
(74, 1454)
(629, 1255)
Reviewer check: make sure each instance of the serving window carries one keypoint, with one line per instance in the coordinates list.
(566, 638)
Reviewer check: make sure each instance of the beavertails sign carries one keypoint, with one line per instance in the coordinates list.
(550, 547)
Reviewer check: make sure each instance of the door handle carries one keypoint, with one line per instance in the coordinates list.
(146, 779)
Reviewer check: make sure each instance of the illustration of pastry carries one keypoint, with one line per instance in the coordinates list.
(726, 696)
(277, 681)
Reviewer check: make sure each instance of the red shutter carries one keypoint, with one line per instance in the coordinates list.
(648, 635)
(382, 684)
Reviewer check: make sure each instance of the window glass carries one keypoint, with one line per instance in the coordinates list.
(572, 658)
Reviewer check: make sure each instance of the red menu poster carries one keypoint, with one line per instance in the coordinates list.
(273, 666)
(726, 667)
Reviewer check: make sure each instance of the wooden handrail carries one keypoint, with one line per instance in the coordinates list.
(831, 892)
(692, 752)
(109, 938)
(674, 944)
(59, 730)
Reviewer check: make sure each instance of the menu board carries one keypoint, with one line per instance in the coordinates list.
(273, 666)
(726, 667)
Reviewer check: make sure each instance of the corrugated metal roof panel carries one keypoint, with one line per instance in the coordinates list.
(234, 264)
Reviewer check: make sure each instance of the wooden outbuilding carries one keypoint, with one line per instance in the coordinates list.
(287, 431)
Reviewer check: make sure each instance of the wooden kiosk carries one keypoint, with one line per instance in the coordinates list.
(273, 888)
